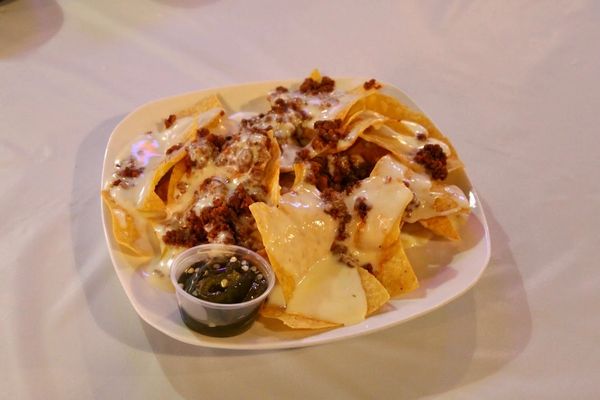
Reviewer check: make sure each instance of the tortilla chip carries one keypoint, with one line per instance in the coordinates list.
(375, 292)
(264, 216)
(396, 273)
(272, 169)
(356, 125)
(203, 105)
(124, 229)
(441, 226)
(295, 321)
(152, 203)
(177, 172)
(396, 112)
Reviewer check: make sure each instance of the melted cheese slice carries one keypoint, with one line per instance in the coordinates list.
(297, 235)
(330, 291)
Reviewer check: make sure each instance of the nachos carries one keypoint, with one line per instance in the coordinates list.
(322, 183)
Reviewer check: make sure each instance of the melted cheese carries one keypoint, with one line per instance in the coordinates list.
(149, 153)
(424, 190)
(387, 200)
(303, 231)
(331, 291)
(409, 145)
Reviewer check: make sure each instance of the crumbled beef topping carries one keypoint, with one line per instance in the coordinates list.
(362, 208)
(281, 89)
(226, 221)
(247, 153)
(216, 140)
(371, 84)
(284, 109)
(341, 251)
(433, 158)
(340, 171)
(170, 121)
(327, 134)
(255, 125)
(303, 154)
(173, 148)
(191, 234)
(421, 136)
(336, 207)
(310, 86)
(124, 173)
(205, 147)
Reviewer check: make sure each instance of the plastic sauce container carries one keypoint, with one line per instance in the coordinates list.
(213, 317)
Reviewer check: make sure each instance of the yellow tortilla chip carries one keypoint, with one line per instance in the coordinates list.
(296, 321)
(356, 125)
(271, 223)
(441, 226)
(124, 229)
(152, 203)
(176, 174)
(397, 111)
(272, 169)
(203, 105)
(396, 273)
(375, 292)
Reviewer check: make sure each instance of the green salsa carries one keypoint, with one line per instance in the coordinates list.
(224, 280)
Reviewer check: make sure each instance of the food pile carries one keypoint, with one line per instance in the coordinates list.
(322, 184)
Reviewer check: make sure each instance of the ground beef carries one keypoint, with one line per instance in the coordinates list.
(340, 171)
(173, 148)
(336, 207)
(341, 251)
(362, 208)
(217, 141)
(327, 134)
(124, 173)
(206, 147)
(226, 221)
(433, 158)
(170, 121)
(371, 84)
(310, 86)
(190, 234)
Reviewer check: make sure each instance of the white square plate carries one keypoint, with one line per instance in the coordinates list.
(445, 270)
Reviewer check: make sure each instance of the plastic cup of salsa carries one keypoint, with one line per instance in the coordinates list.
(214, 318)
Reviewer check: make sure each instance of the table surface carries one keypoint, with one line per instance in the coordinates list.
(514, 84)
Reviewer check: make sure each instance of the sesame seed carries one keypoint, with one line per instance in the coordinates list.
(233, 259)
(224, 283)
(259, 276)
(190, 270)
(245, 268)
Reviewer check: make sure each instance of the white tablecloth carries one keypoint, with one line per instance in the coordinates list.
(514, 84)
